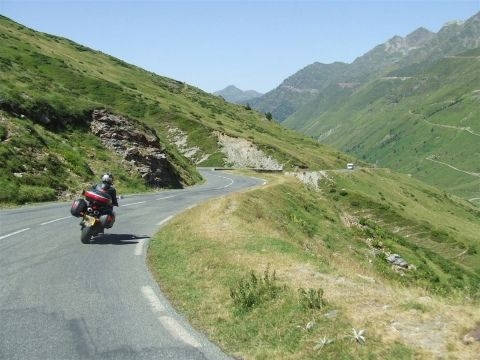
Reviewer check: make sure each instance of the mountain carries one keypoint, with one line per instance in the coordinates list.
(420, 116)
(233, 94)
(420, 45)
(69, 113)
(300, 88)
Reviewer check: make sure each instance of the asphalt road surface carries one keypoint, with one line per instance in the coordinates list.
(61, 299)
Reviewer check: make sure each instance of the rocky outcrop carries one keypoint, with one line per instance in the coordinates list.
(244, 154)
(180, 139)
(138, 145)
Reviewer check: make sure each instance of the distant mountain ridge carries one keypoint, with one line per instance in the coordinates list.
(235, 95)
(312, 81)
(411, 104)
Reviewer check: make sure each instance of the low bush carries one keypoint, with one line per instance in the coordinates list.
(253, 290)
(3, 133)
(311, 298)
(29, 193)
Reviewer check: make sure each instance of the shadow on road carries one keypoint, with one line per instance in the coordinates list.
(117, 239)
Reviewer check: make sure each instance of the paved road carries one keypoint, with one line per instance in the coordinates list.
(60, 299)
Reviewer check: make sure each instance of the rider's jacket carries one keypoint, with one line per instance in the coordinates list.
(110, 190)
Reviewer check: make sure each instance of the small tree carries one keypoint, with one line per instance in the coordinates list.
(248, 107)
(269, 116)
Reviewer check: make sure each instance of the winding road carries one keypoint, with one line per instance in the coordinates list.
(60, 299)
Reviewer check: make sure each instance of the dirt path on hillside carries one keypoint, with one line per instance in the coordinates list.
(467, 129)
(459, 128)
(453, 167)
(453, 127)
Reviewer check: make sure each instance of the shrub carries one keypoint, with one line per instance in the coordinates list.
(311, 298)
(28, 193)
(3, 133)
(253, 290)
(363, 221)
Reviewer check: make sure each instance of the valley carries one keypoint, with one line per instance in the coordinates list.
(407, 100)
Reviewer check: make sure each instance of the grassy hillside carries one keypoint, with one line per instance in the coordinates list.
(55, 84)
(421, 119)
(41, 165)
(319, 259)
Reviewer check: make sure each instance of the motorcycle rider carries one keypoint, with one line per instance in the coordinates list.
(107, 186)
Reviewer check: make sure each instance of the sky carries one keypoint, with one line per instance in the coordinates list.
(251, 44)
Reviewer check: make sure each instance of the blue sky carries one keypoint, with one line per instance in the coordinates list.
(254, 45)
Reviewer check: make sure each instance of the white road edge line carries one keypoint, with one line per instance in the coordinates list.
(191, 207)
(167, 219)
(51, 221)
(172, 325)
(135, 203)
(140, 243)
(166, 197)
(14, 233)
(139, 247)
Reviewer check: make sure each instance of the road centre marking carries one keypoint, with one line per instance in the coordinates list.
(14, 233)
(51, 221)
(168, 322)
(224, 177)
(166, 197)
(135, 203)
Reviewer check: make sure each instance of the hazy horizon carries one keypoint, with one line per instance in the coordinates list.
(252, 45)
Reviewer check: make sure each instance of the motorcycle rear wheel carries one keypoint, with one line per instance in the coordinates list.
(86, 235)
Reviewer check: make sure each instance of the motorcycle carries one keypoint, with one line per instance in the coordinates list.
(96, 214)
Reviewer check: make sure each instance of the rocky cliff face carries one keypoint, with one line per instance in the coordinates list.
(138, 145)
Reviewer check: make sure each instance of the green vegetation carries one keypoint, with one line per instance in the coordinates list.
(418, 125)
(323, 256)
(411, 104)
(57, 83)
(42, 165)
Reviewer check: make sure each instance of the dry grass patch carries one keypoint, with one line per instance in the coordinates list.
(206, 251)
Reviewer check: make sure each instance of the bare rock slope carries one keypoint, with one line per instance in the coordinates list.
(138, 145)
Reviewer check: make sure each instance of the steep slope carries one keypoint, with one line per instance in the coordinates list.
(322, 257)
(422, 119)
(51, 86)
(235, 95)
(420, 45)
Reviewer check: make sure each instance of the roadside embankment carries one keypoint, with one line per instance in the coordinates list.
(295, 271)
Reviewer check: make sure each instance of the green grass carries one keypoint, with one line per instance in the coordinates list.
(399, 124)
(42, 165)
(301, 234)
(57, 83)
